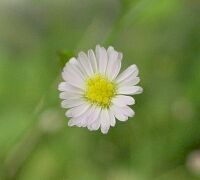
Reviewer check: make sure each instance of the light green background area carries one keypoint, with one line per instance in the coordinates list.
(161, 36)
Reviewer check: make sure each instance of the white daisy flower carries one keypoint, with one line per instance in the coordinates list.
(94, 92)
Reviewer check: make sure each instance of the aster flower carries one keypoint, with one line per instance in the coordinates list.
(94, 92)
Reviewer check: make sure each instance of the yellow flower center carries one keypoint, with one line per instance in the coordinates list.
(99, 90)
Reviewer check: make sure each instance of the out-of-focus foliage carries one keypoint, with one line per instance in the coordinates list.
(161, 36)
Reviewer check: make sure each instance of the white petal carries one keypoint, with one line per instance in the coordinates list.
(118, 113)
(84, 61)
(71, 90)
(110, 50)
(63, 95)
(112, 118)
(73, 61)
(71, 122)
(98, 51)
(70, 76)
(120, 56)
(75, 122)
(105, 121)
(74, 65)
(127, 111)
(94, 116)
(117, 66)
(82, 120)
(93, 60)
(78, 66)
(130, 81)
(62, 86)
(114, 64)
(129, 90)
(68, 114)
(71, 96)
(102, 59)
(77, 111)
(96, 124)
(130, 71)
(69, 103)
(121, 100)
(123, 112)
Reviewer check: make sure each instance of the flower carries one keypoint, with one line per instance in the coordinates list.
(94, 92)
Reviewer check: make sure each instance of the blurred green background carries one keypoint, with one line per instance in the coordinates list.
(162, 142)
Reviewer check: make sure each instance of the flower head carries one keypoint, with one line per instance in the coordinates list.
(94, 92)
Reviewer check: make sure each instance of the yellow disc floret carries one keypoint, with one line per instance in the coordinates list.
(99, 90)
